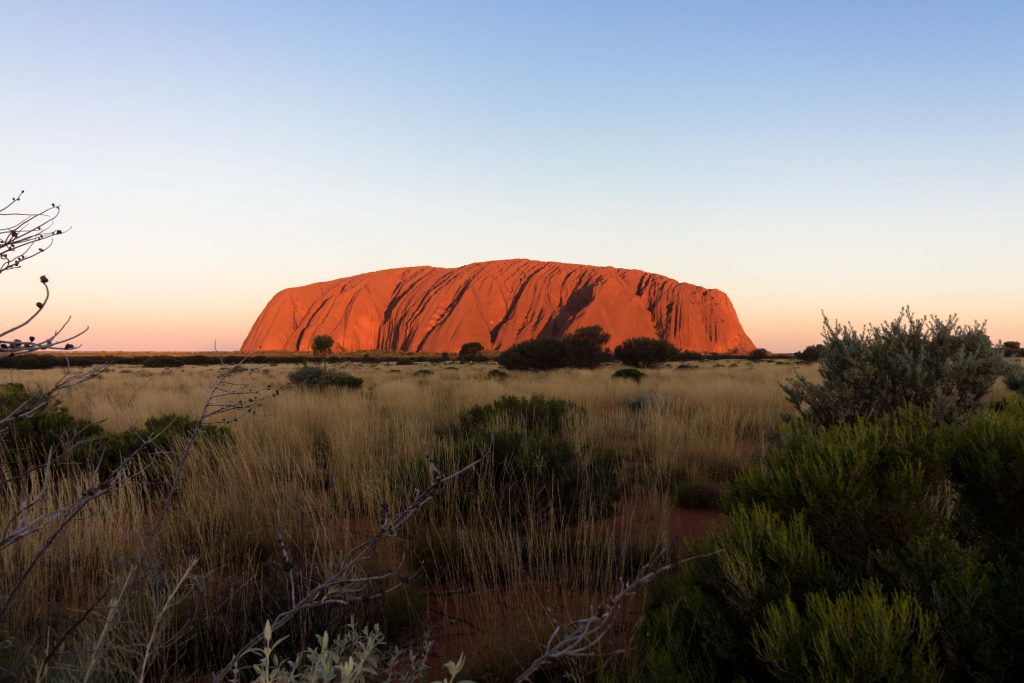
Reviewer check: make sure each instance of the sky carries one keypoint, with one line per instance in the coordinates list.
(845, 157)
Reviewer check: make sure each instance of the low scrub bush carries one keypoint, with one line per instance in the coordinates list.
(918, 361)
(645, 352)
(498, 375)
(319, 377)
(529, 464)
(629, 373)
(1014, 378)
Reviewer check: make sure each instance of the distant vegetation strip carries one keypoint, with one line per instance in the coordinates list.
(44, 361)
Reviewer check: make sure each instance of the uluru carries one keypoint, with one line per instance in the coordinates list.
(496, 303)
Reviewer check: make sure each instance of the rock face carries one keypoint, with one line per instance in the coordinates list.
(496, 303)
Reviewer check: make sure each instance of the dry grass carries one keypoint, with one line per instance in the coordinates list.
(316, 466)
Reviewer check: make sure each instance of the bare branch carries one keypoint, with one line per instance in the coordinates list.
(24, 236)
(583, 636)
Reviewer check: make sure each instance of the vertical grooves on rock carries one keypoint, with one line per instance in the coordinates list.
(497, 303)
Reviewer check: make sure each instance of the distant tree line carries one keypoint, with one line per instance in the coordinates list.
(587, 348)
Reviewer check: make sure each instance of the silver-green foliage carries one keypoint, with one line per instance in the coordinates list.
(927, 361)
(359, 655)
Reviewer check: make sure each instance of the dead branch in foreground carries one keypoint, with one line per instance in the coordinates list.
(584, 635)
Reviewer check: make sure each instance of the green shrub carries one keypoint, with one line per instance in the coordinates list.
(689, 356)
(645, 352)
(528, 463)
(584, 348)
(471, 352)
(810, 354)
(916, 361)
(854, 636)
(987, 468)
(536, 354)
(79, 443)
(1014, 378)
(629, 373)
(905, 520)
(759, 354)
(498, 375)
(862, 486)
(697, 621)
(318, 377)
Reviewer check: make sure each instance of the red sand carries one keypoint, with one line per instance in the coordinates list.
(498, 304)
(513, 624)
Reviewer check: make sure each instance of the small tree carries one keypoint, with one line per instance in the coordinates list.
(586, 347)
(917, 361)
(322, 346)
(759, 354)
(471, 352)
(645, 352)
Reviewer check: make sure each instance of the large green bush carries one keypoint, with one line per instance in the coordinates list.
(874, 550)
(918, 361)
(645, 352)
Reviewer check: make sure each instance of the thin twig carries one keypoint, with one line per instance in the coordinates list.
(583, 636)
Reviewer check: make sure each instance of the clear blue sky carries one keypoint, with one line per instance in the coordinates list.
(852, 157)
